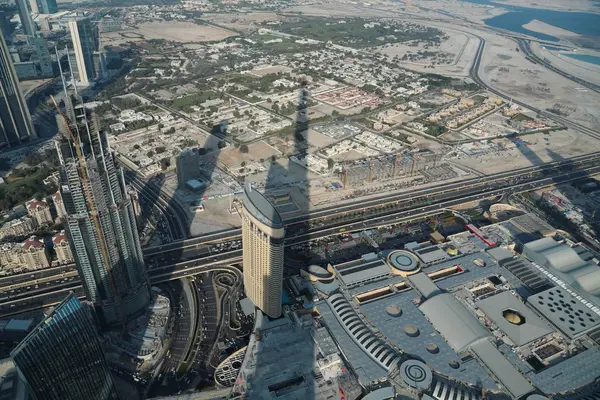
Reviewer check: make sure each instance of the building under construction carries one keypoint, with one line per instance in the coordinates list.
(388, 167)
(100, 220)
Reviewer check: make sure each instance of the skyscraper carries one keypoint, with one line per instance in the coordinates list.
(25, 15)
(61, 359)
(42, 56)
(45, 6)
(188, 165)
(263, 242)
(33, 4)
(15, 121)
(84, 36)
(101, 224)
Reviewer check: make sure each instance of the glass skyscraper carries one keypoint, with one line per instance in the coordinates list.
(85, 38)
(15, 120)
(101, 224)
(62, 359)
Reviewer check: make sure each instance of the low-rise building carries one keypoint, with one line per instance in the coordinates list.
(18, 227)
(62, 248)
(40, 210)
(30, 254)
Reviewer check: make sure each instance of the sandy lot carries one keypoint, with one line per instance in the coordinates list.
(507, 70)
(232, 157)
(547, 29)
(461, 45)
(560, 5)
(563, 144)
(270, 70)
(581, 69)
(241, 21)
(178, 32)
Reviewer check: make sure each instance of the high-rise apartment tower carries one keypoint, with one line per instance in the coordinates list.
(101, 224)
(15, 120)
(61, 359)
(263, 242)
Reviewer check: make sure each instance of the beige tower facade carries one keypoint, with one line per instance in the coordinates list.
(263, 242)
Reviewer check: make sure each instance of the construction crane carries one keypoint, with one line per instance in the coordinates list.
(88, 195)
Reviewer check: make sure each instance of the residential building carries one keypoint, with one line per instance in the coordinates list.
(27, 23)
(263, 243)
(22, 226)
(40, 210)
(34, 253)
(62, 358)
(15, 120)
(30, 254)
(59, 205)
(101, 227)
(84, 36)
(62, 248)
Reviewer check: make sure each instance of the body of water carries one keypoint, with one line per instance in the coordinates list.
(584, 57)
(586, 24)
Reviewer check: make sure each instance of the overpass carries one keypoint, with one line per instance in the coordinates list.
(205, 262)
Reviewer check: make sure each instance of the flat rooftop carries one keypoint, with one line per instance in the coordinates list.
(451, 315)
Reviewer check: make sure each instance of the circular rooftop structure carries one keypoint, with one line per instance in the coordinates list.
(454, 364)
(411, 330)
(403, 262)
(432, 348)
(416, 374)
(318, 271)
(537, 397)
(393, 310)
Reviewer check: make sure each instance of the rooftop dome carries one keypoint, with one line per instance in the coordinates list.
(318, 271)
(393, 310)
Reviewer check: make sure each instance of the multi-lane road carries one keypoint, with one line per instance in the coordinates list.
(194, 255)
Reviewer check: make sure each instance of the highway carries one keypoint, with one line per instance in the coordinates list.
(474, 73)
(379, 201)
(172, 211)
(191, 256)
(525, 47)
(406, 211)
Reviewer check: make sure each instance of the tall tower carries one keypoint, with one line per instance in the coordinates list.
(101, 224)
(84, 36)
(61, 359)
(15, 121)
(263, 242)
(33, 4)
(25, 15)
(40, 48)
(45, 6)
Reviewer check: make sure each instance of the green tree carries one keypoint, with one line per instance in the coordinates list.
(222, 144)
(244, 149)
(330, 163)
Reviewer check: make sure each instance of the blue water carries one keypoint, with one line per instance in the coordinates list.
(584, 57)
(582, 23)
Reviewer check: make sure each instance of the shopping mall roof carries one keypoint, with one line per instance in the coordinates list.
(525, 326)
(460, 328)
